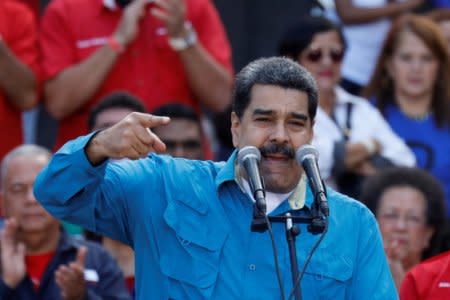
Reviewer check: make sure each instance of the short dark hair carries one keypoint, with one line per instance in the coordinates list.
(115, 100)
(299, 36)
(278, 71)
(177, 111)
(416, 178)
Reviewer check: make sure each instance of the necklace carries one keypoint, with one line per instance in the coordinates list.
(418, 118)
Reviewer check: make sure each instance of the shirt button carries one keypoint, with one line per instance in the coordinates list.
(252, 267)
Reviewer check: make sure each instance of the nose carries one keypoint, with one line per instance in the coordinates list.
(400, 223)
(30, 196)
(179, 151)
(279, 133)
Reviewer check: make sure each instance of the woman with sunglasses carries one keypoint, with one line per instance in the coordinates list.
(410, 87)
(352, 137)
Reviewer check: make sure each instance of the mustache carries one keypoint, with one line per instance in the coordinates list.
(277, 149)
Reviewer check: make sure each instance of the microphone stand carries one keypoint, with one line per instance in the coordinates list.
(316, 221)
(291, 232)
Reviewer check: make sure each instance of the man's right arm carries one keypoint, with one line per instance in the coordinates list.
(79, 187)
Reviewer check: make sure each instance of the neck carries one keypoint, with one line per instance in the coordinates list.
(327, 100)
(414, 107)
(410, 261)
(41, 242)
(122, 253)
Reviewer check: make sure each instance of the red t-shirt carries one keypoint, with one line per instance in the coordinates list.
(36, 266)
(148, 68)
(19, 33)
(428, 280)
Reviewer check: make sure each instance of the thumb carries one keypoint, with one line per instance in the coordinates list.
(81, 255)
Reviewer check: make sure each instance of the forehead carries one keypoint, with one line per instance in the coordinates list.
(179, 129)
(408, 40)
(277, 99)
(25, 167)
(404, 198)
(330, 37)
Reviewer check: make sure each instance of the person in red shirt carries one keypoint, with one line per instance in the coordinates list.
(156, 50)
(429, 280)
(18, 69)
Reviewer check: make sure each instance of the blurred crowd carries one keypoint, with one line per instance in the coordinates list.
(382, 129)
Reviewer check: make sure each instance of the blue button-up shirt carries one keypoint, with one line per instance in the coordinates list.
(189, 224)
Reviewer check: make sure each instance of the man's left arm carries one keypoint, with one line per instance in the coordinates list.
(207, 61)
(18, 62)
(371, 272)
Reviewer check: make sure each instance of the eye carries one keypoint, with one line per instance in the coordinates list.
(406, 57)
(262, 119)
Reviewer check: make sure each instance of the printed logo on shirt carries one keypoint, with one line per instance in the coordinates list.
(98, 41)
(444, 284)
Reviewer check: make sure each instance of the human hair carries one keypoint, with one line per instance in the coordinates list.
(28, 150)
(381, 86)
(115, 100)
(277, 71)
(299, 36)
(418, 179)
(177, 111)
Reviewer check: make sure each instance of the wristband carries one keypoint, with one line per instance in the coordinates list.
(115, 45)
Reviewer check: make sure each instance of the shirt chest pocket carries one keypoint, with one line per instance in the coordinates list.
(328, 275)
(191, 253)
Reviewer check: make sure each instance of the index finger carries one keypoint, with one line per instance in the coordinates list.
(148, 120)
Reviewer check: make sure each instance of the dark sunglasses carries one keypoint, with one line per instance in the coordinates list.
(189, 144)
(315, 55)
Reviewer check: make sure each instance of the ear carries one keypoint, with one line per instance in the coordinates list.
(235, 128)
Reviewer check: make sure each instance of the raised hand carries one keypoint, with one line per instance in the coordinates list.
(128, 27)
(70, 278)
(173, 14)
(395, 264)
(12, 254)
(130, 138)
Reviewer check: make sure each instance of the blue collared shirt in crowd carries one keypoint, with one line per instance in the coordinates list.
(189, 224)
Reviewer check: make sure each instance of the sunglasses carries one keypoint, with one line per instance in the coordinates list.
(316, 55)
(189, 144)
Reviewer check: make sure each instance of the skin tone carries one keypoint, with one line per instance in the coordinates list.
(350, 13)
(414, 68)
(328, 74)
(275, 115)
(285, 122)
(64, 95)
(179, 131)
(17, 80)
(30, 230)
(110, 116)
(402, 219)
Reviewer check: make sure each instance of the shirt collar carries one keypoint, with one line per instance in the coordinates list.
(300, 197)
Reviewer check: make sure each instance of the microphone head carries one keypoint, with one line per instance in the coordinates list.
(304, 152)
(248, 152)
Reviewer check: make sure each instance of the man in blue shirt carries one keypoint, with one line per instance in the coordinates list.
(189, 221)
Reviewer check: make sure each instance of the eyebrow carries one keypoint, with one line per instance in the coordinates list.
(269, 112)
